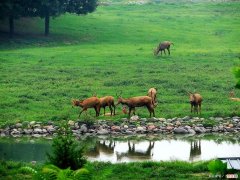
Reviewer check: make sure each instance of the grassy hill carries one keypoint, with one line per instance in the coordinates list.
(112, 50)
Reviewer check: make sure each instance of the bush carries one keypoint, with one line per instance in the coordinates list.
(217, 167)
(83, 174)
(66, 151)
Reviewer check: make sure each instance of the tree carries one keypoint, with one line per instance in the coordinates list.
(11, 9)
(52, 8)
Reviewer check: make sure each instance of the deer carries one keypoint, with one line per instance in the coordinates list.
(138, 101)
(152, 92)
(196, 102)
(162, 46)
(92, 102)
(108, 101)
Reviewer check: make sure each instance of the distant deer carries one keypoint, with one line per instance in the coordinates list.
(162, 46)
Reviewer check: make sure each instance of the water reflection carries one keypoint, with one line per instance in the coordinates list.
(128, 149)
(134, 154)
(195, 150)
(157, 150)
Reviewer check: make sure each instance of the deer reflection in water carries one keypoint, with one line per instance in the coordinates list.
(104, 146)
(195, 150)
(134, 154)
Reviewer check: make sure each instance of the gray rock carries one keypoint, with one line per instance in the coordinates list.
(102, 132)
(191, 131)
(219, 119)
(180, 130)
(18, 125)
(32, 123)
(200, 129)
(129, 132)
(83, 128)
(2, 134)
(37, 135)
(37, 131)
(125, 126)
(134, 118)
(27, 131)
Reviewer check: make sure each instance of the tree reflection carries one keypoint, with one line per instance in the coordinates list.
(195, 150)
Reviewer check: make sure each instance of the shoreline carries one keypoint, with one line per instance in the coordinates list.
(133, 126)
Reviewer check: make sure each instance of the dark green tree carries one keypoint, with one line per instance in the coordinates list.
(67, 152)
(12, 9)
(53, 8)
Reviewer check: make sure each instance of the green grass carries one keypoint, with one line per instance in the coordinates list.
(111, 50)
(104, 171)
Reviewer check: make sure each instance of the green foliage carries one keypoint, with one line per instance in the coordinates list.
(82, 174)
(35, 174)
(66, 151)
(217, 167)
(209, 123)
(237, 75)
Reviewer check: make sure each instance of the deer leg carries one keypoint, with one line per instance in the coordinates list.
(191, 108)
(110, 107)
(114, 113)
(129, 113)
(164, 51)
(161, 52)
(104, 109)
(81, 112)
(96, 110)
(168, 51)
(200, 109)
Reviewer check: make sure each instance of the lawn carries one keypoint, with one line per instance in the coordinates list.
(111, 50)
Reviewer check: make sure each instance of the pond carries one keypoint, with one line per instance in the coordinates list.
(129, 149)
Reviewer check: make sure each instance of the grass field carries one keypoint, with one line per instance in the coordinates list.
(112, 50)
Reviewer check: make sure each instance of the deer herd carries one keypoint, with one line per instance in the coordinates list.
(149, 101)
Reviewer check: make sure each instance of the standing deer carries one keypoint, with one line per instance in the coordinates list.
(92, 102)
(152, 92)
(139, 101)
(162, 46)
(195, 101)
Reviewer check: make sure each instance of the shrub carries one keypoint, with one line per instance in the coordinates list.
(217, 167)
(83, 174)
(66, 151)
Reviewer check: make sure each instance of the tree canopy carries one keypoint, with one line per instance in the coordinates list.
(13, 9)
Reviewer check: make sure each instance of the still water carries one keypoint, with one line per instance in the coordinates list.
(129, 149)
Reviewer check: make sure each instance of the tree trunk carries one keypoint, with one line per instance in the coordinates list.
(47, 24)
(11, 26)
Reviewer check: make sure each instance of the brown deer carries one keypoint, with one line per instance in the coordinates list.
(162, 46)
(92, 102)
(152, 92)
(139, 101)
(196, 102)
(108, 101)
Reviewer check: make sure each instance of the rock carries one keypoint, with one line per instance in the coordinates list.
(76, 126)
(71, 123)
(15, 132)
(187, 127)
(191, 131)
(129, 132)
(44, 131)
(153, 119)
(143, 119)
(180, 130)
(124, 119)
(125, 126)
(18, 125)
(116, 128)
(219, 119)
(162, 119)
(229, 129)
(200, 129)
(2, 134)
(32, 123)
(151, 127)
(37, 131)
(230, 125)
(134, 118)
(178, 123)
(83, 128)
(27, 131)
(169, 128)
(36, 135)
(102, 132)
